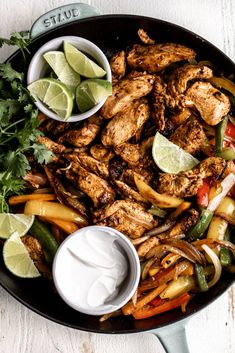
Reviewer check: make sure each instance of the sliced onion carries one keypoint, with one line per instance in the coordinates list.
(216, 262)
(43, 191)
(147, 266)
(147, 225)
(161, 229)
(188, 249)
(161, 249)
(226, 217)
(141, 240)
(226, 185)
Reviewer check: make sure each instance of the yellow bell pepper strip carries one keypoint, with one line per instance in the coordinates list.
(161, 308)
(40, 231)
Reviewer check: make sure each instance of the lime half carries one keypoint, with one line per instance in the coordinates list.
(91, 92)
(169, 157)
(54, 94)
(17, 259)
(81, 63)
(14, 223)
(62, 69)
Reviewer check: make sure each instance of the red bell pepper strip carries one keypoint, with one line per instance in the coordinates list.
(166, 306)
(203, 194)
(230, 131)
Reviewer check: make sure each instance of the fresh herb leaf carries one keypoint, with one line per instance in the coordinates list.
(18, 127)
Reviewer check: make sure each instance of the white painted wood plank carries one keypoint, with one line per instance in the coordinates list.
(212, 330)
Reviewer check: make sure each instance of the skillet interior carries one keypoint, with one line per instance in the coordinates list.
(111, 33)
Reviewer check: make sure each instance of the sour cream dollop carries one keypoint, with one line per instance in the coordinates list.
(90, 268)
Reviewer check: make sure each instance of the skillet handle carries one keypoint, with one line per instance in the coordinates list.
(173, 338)
(60, 16)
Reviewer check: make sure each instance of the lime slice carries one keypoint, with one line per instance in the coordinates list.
(169, 157)
(18, 223)
(91, 92)
(54, 94)
(17, 259)
(81, 63)
(64, 72)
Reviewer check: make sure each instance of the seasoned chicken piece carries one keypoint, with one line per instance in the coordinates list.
(182, 226)
(118, 65)
(64, 196)
(127, 192)
(154, 58)
(147, 245)
(179, 79)
(144, 174)
(127, 90)
(36, 253)
(85, 135)
(180, 117)
(125, 124)
(129, 152)
(93, 165)
(128, 217)
(56, 148)
(54, 127)
(98, 189)
(212, 104)
(101, 153)
(37, 180)
(186, 184)
(191, 137)
(158, 102)
(144, 37)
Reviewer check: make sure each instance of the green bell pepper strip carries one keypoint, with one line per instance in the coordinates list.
(40, 231)
(219, 135)
(201, 278)
(226, 257)
(201, 226)
(227, 154)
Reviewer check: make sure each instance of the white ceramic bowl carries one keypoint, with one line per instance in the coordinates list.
(38, 69)
(68, 280)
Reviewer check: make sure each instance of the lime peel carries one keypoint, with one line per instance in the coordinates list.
(169, 157)
(10, 223)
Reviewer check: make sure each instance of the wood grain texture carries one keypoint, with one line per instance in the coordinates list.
(211, 330)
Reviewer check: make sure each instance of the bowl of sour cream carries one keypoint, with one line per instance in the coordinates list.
(96, 270)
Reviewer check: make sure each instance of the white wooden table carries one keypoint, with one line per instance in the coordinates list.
(212, 330)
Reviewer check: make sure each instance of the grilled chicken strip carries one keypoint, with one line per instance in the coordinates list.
(64, 196)
(56, 148)
(129, 152)
(128, 192)
(83, 136)
(125, 91)
(212, 104)
(118, 65)
(93, 165)
(158, 100)
(98, 189)
(128, 217)
(178, 81)
(191, 137)
(154, 58)
(54, 127)
(186, 184)
(125, 124)
(101, 153)
(180, 117)
(144, 37)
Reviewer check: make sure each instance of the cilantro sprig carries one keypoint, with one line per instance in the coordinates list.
(18, 128)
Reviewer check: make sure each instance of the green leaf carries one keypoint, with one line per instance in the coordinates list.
(9, 74)
(42, 154)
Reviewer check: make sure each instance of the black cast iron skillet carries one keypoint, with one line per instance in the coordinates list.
(112, 33)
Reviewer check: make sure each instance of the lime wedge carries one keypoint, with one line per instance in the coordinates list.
(62, 69)
(81, 63)
(17, 259)
(54, 94)
(91, 92)
(169, 157)
(14, 223)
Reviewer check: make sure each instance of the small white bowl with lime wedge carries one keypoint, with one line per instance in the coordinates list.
(69, 78)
